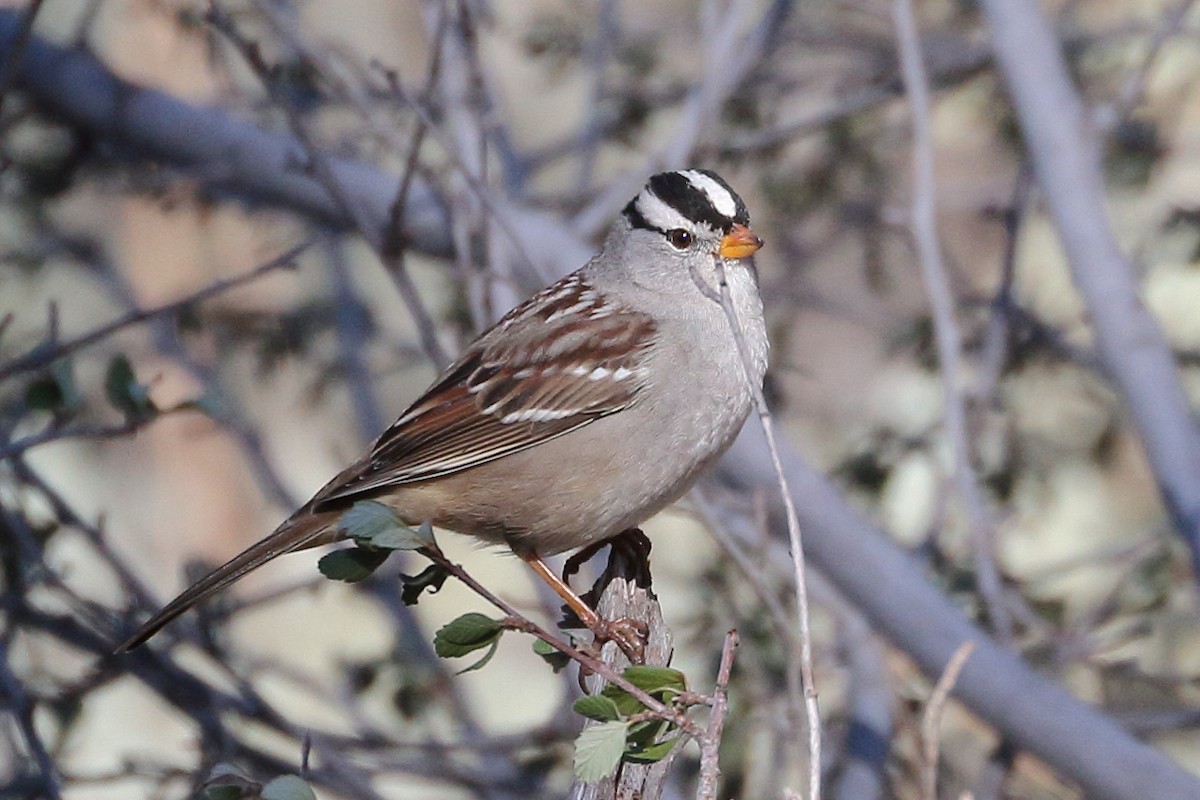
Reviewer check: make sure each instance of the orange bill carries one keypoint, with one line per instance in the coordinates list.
(740, 242)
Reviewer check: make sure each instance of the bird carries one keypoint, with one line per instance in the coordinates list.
(581, 413)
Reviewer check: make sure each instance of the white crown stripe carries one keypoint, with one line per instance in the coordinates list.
(659, 214)
(717, 194)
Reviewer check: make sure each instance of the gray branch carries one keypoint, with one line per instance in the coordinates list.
(226, 154)
(1066, 158)
(887, 585)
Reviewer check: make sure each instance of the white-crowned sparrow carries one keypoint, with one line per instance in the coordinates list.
(584, 411)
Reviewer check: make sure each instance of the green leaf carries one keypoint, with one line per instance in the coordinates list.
(646, 733)
(352, 564)
(288, 787)
(44, 394)
(598, 750)
(661, 683)
(225, 783)
(55, 390)
(468, 633)
(431, 578)
(651, 753)
(124, 392)
(652, 679)
(223, 793)
(555, 658)
(370, 522)
(597, 707)
(483, 661)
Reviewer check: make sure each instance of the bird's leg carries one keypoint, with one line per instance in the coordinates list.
(623, 632)
(576, 560)
(630, 544)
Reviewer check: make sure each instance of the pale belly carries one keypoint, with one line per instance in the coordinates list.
(585, 486)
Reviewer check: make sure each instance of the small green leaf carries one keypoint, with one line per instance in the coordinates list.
(44, 394)
(288, 787)
(651, 753)
(124, 392)
(352, 564)
(483, 661)
(598, 750)
(597, 707)
(646, 733)
(370, 522)
(226, 783)
(652, 679)
(661, 683)
(55, 390)
(555, 658)
(468, 633)
(223, 793)
(431, 578)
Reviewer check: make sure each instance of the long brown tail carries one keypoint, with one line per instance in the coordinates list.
(301, 531)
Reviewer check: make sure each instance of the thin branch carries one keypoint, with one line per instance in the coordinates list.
(42, 356)
(1134, 89)
(735, 45)
(710, 743)
(21, 706)
(55, 433)
(807, 677)
(923, 222)
(353, 327)
(931, 720)
(385, 239)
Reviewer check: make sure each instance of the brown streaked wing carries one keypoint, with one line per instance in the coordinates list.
(534, 376)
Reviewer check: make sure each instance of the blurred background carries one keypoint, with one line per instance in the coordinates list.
(513, 134)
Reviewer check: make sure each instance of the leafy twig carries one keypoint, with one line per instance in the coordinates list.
(519, 621)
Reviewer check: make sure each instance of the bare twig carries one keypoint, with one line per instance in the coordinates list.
(736, 42)
(56, 433)
(393, 248)
(353, 328)
(387, 238)
(945, 324)
(1134, 88)
(710, 744)
(807, 677)
(932, 718)
(41, 356)
(22, 708)
(604, 38)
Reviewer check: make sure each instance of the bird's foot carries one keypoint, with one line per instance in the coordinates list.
(628, 634)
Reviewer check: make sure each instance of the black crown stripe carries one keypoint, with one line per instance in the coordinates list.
(674, 189)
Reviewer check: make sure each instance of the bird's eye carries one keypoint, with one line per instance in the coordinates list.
(679, 238)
